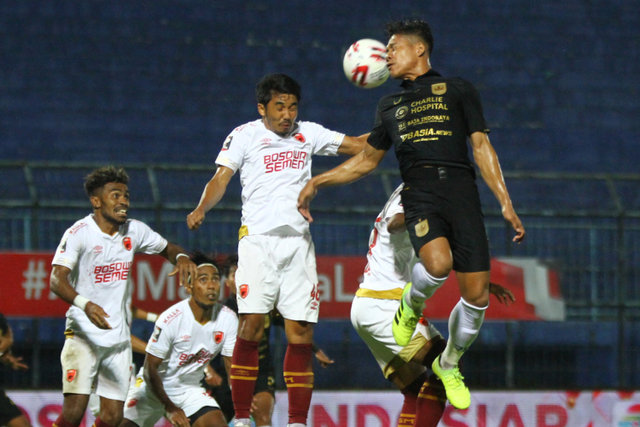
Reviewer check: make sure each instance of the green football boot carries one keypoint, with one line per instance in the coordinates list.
(457, 393)
(405, 320)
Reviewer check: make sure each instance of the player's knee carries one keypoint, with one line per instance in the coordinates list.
(476, 299)
(251, 328)
(439, 267)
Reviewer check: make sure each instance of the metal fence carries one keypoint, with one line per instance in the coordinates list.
(586, 225)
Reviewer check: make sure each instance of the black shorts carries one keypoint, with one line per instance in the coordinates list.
(8, 409)
(266, 382)
(444, 202)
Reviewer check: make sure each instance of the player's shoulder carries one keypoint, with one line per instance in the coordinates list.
(172, 314)
(134, 226)
(458, 84)
(228, 312)
(80, 227)
(248, 129)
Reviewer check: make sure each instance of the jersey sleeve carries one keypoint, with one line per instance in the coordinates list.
(231, 335)
(149, 242)
(159, 344)
(232, 153)
(325, 142)
(70, 247)
(472, 107)
(379, 137)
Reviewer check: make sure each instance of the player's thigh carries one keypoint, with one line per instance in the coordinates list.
(210, 418)
(9, 411)
(114, 373)
(79, 366)
(192, 399)
(299, 298)
(19, 421)
(256, 276)
(142, 407)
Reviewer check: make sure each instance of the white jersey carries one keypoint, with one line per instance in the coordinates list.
(100, 266)
(274, 169)
(186, 346)
(391, 256)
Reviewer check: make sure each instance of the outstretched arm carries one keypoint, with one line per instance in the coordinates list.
(211, 195)
(185, 268)
(351, 170)
(352, 145)
(487, 160)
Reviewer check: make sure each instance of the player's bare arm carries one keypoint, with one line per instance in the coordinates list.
(352, 145)
(137, 345)
(396, 224)
(503, 294)
(353, 169)
(184, 267)
(227, 365)
(175, 415)
(487, 161)
(212, 194)
(60, 286)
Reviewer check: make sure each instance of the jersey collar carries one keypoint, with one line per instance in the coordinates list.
(409, 84)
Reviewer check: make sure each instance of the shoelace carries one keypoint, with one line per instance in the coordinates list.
(454, 380)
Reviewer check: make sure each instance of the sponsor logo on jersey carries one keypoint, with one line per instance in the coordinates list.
(227, 143)
(127, 243)
(218, 336)
(172, 316)
(265, 141)
(300, 137)
(244, 291)
(156, 334)
(292, 159)
(77, 227)
(185, 338)
(439, 88)
(112, 272)
(71, 375)
(402, 126)
(401, 112)
(131, 403)
(202, 356)
(97, 249)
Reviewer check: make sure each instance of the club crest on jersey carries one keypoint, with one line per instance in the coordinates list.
(132, 403)
(218, 336)
(244, 291)
(71, 375)
(127, 243)
(300, 137)
(439, 88)
(422, 228)
(401, 112)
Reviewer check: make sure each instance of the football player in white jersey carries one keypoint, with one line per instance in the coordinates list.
(390, 262)
(90, 271)
(186, 337)
(277, 266)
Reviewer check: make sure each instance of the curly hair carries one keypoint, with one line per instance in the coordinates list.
(102, 176)
(411, 27)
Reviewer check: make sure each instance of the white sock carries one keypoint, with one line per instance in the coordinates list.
(423, 286)
(464, 326)
(296, 425)
(242, 422)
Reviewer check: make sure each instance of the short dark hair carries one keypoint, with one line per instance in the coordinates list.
(199, 258)
(102, 176)
(276, 83)
(411, 27)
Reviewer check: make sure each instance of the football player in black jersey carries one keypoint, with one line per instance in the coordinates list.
(429, 123)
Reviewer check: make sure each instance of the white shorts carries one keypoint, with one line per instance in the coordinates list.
(143, 407)
(87, 368)
(372, 318)
(94, 399)
(278, 271)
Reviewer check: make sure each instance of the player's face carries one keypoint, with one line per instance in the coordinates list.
(113, 202)
(280, 113)
(231, 279)
(206, 288)
(402, 56)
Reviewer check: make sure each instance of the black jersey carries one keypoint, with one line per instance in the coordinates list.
(429, 122)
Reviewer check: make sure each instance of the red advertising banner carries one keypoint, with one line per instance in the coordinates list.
(25, 288)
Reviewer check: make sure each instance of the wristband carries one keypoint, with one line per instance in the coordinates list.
(80, 302)
(181, 254)
(152, 317)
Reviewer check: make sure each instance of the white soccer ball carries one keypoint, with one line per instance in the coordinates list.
(365, 63)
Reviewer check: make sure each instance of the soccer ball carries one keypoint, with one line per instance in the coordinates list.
(365, 63)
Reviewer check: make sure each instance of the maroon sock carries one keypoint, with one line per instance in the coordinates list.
(430, 405)
(244, 372)
(61, 422)
(410, 393)
(298, 376)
